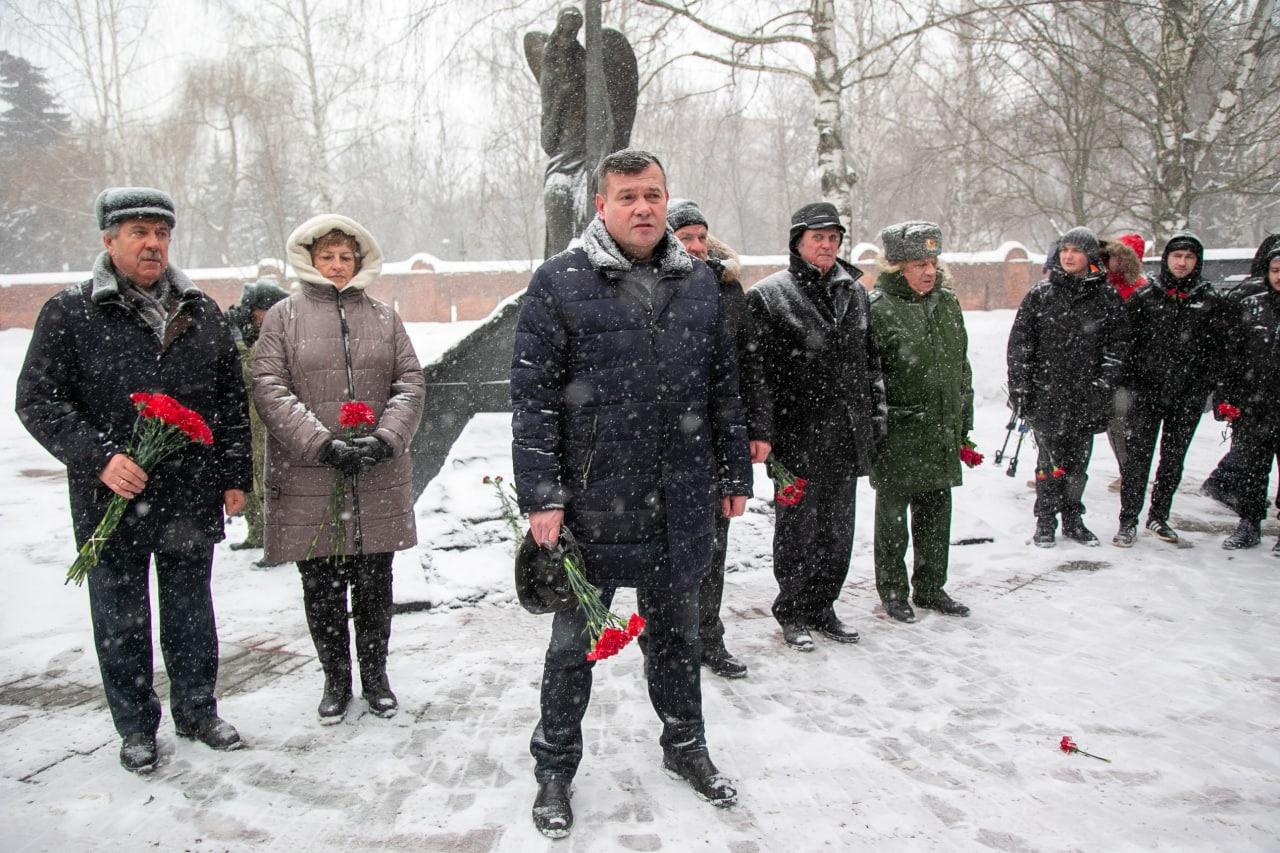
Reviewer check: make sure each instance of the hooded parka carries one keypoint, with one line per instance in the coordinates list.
(300, 381)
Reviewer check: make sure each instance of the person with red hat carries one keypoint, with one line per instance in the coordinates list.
(1122, 258)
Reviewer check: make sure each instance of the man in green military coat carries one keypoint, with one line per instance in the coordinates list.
(918, 329)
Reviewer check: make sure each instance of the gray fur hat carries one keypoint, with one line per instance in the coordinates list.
(116, 204)
(682, 212)
(911, 241)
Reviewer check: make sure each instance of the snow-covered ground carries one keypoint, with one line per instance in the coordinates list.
(940, 735)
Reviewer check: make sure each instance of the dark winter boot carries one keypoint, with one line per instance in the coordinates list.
(829, 625)
(138, 753)
(376, 691)
(1248, 534)
(900, 610)
(1125, 536)
(1073, 528)
(1275, 549)
(212, 731)
(334, 701)
(717, 659)
(797, 636)
(551, 812)
(1162, 530)
(1045, 528)
(696, 769)
(942, 603)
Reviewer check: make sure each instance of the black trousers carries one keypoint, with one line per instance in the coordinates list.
(672, 667)
(711, 590)
(120, 605)
(324, 597)
(1175, 421)
(1071, 453)
(1257, 445)
(812, 545)
(1227, 478)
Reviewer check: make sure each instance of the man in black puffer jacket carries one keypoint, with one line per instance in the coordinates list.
(690, 227)
(1223, 484)
(140, 325)
(1254, 387)
(823, 372)
(1066, 349)
(626, 427)
(1183, 325)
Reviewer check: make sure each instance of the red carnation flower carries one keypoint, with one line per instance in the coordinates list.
(355, 414)
(635, 625)
(1228, 411)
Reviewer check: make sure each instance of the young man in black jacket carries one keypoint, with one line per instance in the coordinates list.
(690, 227)
(1066, 348)
(1183, 326)
(139, 324)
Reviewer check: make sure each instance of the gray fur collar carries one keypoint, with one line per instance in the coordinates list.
(106, 285)
(605, 256)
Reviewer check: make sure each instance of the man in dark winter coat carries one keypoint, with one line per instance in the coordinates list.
(140, 325)
(1223, 484)
(626, 421)
(1181, 322)
(1066, 348)
(1255, 389)
(823, 373)
(690, 227)
(918, 329)
(1122, 258)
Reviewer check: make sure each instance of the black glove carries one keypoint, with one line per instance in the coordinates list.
(341, 455)
(372, 450)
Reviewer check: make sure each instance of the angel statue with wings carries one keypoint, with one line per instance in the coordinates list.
(559, 64)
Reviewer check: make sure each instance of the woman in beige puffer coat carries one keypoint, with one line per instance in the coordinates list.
(328, 344)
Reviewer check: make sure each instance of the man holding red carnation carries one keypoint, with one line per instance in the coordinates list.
(918, 329)
(140, 326)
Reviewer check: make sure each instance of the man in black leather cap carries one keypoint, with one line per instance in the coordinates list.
(823, 374)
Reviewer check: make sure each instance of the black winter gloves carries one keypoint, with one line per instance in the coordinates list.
(343, 456)
(372, 450)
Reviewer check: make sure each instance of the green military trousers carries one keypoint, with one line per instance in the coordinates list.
(930, 514)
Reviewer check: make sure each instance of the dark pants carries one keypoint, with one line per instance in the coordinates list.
(1121, 402)
(711, 590)
(1257, 446)
(812, 546)
(1175, 421)
(671, 666)
(1227, 480)
(324, 597)
(120, 604)
(1063, 494)
(930, 514)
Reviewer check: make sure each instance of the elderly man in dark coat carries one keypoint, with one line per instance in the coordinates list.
(823, 372)
(919, 332)
(139, 324)
(626, 422)
(690, 227)
(1066, 349)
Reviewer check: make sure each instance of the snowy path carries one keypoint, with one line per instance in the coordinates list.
(935, 736)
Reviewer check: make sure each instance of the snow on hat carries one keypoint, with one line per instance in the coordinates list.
(116, 204)
(682, 212)
(1135, 242)
(911, 241)
(263, 293)
(1084, 240)
(819, 214)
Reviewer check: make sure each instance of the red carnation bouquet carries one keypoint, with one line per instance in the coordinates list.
(163, 426)
(969, 454)
(354, 420)
(788, 489)
(609, 633)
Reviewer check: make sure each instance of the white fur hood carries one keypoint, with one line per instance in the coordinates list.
(299, 256)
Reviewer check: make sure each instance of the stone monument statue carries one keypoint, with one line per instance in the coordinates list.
(577, 129)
